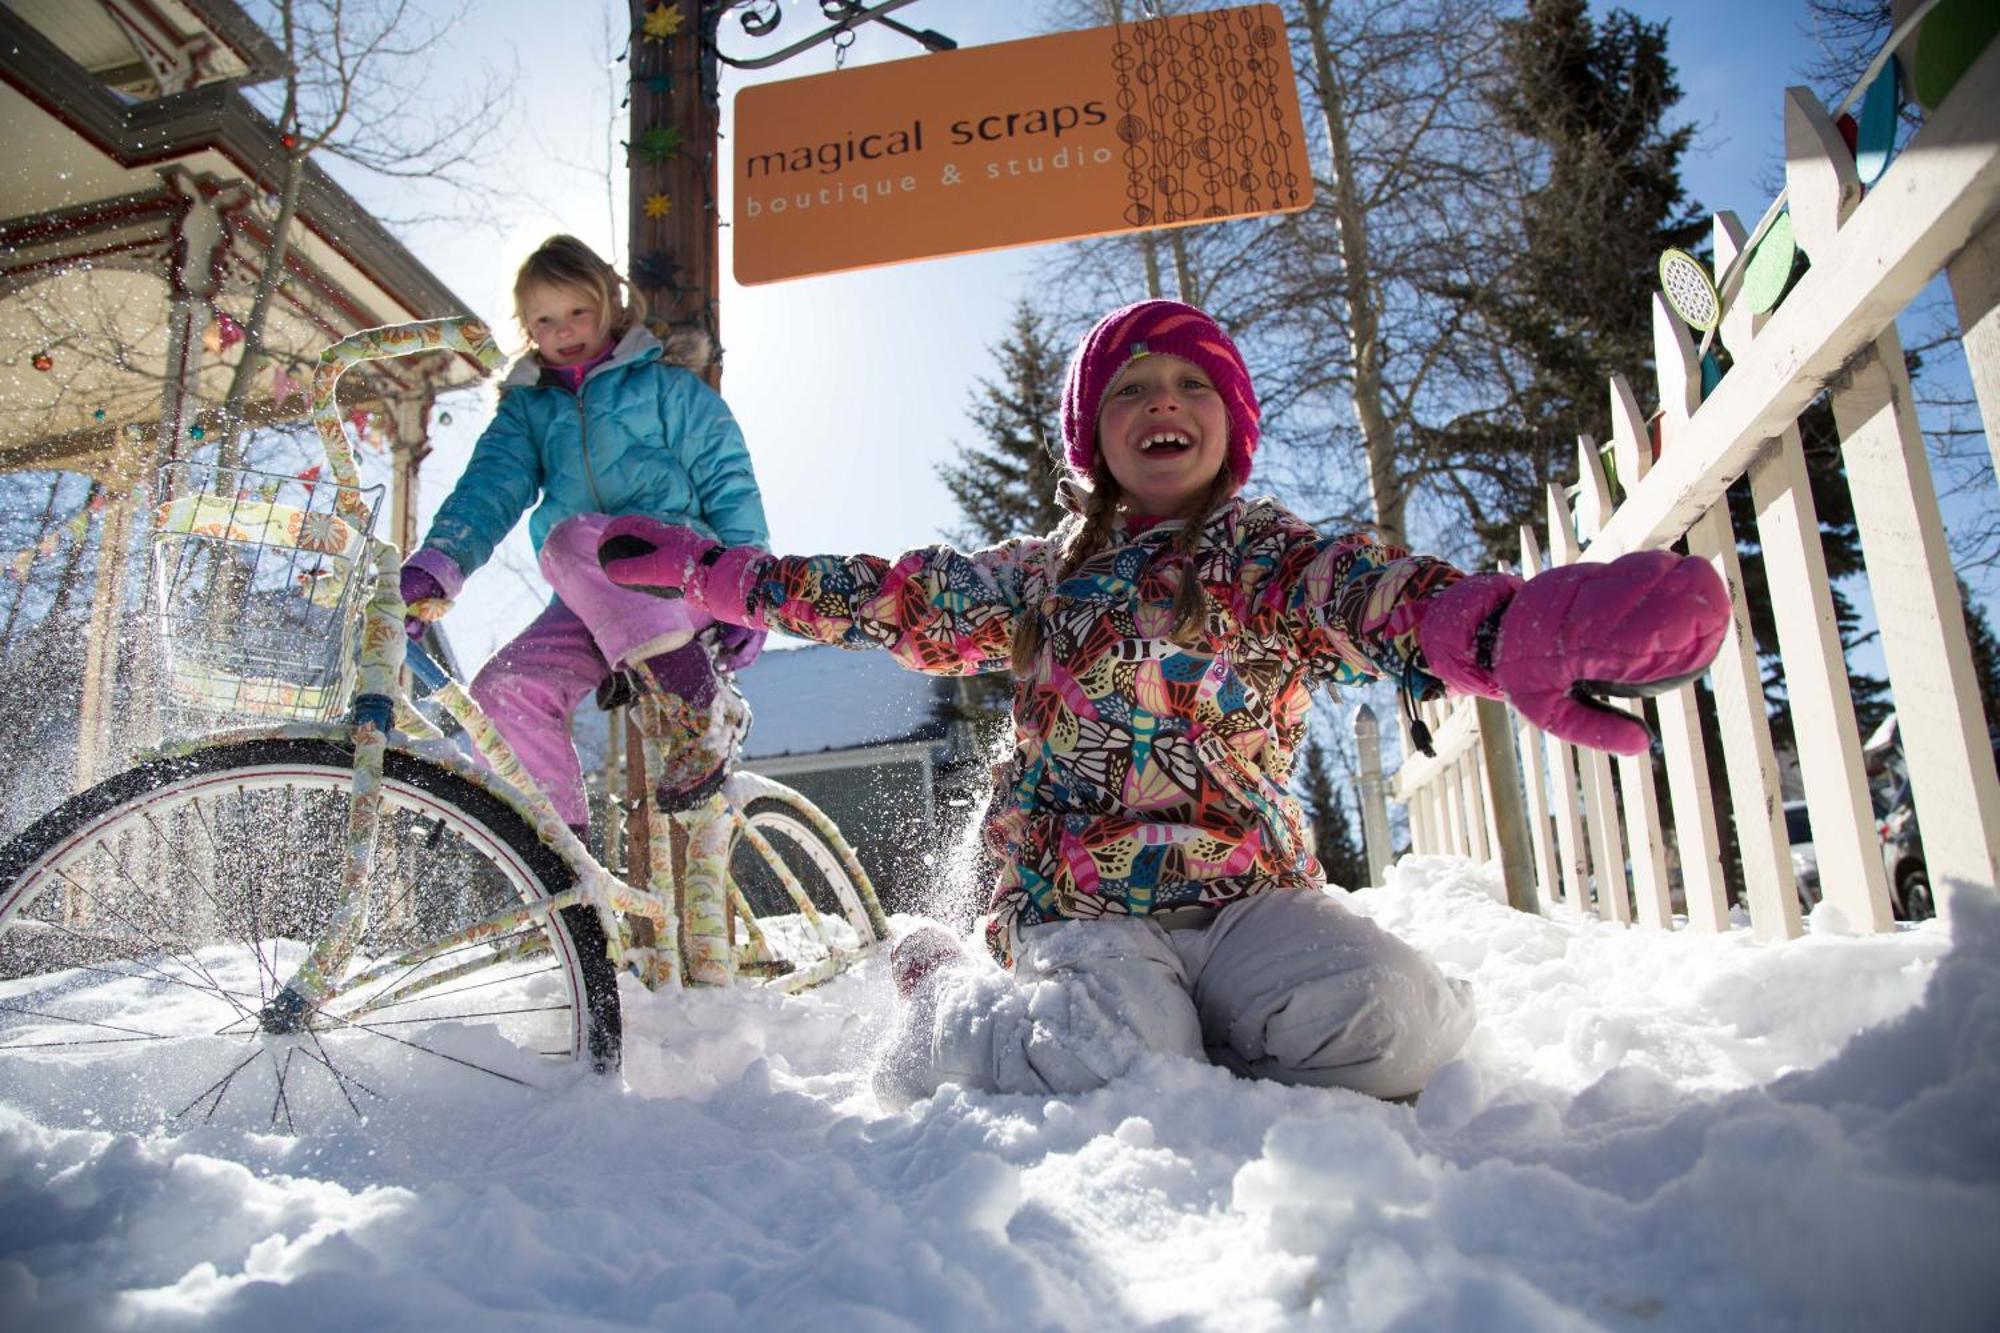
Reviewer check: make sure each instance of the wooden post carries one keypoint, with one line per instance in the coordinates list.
(611, 833)
(121, 518)
(639, 800)
(1507, 820)
(409, 445)
(672, 152)
(671, 257)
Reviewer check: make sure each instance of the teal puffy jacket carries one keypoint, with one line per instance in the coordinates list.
(643, 437)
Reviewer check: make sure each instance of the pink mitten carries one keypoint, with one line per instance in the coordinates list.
(640, 552)
(1552, 646)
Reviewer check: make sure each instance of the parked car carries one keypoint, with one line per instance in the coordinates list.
(1805, 860)
(1805, 863)
(1903, 852)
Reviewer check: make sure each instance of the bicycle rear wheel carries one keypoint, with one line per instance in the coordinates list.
(146, 924)
(788, 945)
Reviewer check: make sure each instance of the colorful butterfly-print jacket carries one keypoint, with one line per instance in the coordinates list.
(1145, 775)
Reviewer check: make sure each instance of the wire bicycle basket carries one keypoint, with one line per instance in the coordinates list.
(259, 584)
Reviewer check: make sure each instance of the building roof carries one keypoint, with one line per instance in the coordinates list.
(816, 700)
(90, 229)
(813, 699)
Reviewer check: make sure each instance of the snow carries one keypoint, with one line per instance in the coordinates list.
(1656, 1131)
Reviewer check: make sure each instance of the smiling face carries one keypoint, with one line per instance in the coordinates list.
(1164, 433)
(566, 324)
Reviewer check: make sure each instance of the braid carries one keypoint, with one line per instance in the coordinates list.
(1191, 599)
(1079, 537)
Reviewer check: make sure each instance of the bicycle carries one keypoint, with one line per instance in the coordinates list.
(342, 887)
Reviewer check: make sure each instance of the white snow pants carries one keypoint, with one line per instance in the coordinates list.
(1289, 986)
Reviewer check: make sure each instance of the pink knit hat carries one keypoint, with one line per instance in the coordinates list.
(1138, 330)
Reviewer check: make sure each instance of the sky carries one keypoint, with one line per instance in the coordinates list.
(853, 388)
(1649, 1132)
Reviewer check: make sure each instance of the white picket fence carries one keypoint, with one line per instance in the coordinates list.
(1565, 830)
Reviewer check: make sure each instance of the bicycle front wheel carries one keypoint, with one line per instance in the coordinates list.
(148, 924)
(790, 942)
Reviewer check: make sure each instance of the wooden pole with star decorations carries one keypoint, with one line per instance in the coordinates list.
(672, 157)
(672, 251)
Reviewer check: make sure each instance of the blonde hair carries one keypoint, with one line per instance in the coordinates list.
(564, 261)
(1087, 531)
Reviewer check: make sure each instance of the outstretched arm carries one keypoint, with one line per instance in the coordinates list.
(934, 609)
(1554, 646)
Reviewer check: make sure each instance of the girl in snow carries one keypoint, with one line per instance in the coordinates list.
(596, 423)
(1157, 890)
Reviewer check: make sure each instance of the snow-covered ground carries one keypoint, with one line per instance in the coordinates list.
(1650, 1131)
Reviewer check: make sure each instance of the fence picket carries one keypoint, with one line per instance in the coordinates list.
(1600, 802)
(1829, 747)
(1535, 781)
(1975, 289)
(1939, 716)
(1562, 775)
(1646, 835)
(1749, 759)
(1473, 795)
(1821, 184)
(1374, 802)
(1704, 890)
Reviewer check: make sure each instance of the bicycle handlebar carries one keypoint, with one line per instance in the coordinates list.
(459, 333)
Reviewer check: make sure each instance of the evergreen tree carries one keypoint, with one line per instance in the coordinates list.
(1334, 839)
(1006, 486)
(1590, 98)
(1985, 656)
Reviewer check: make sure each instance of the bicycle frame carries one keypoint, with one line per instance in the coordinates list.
(693, 913)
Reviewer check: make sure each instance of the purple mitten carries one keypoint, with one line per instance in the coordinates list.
(1641, 624)
(640, 552)
(418, 585)
(737, 647)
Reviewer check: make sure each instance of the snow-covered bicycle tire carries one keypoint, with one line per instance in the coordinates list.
(824, 865)
(201, 876)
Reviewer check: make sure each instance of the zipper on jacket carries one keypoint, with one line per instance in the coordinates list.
(583, 440)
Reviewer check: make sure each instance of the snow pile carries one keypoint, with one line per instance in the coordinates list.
(1650, 1131)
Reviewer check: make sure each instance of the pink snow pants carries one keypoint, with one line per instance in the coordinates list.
(1291, 986)
(531, 687)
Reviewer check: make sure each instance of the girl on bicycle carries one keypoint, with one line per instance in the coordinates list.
(595, 423)
(1158, 891)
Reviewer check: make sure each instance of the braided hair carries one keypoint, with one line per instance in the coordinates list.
(1087, 530)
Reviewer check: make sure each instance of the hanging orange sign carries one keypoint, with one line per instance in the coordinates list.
(1162, 122)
